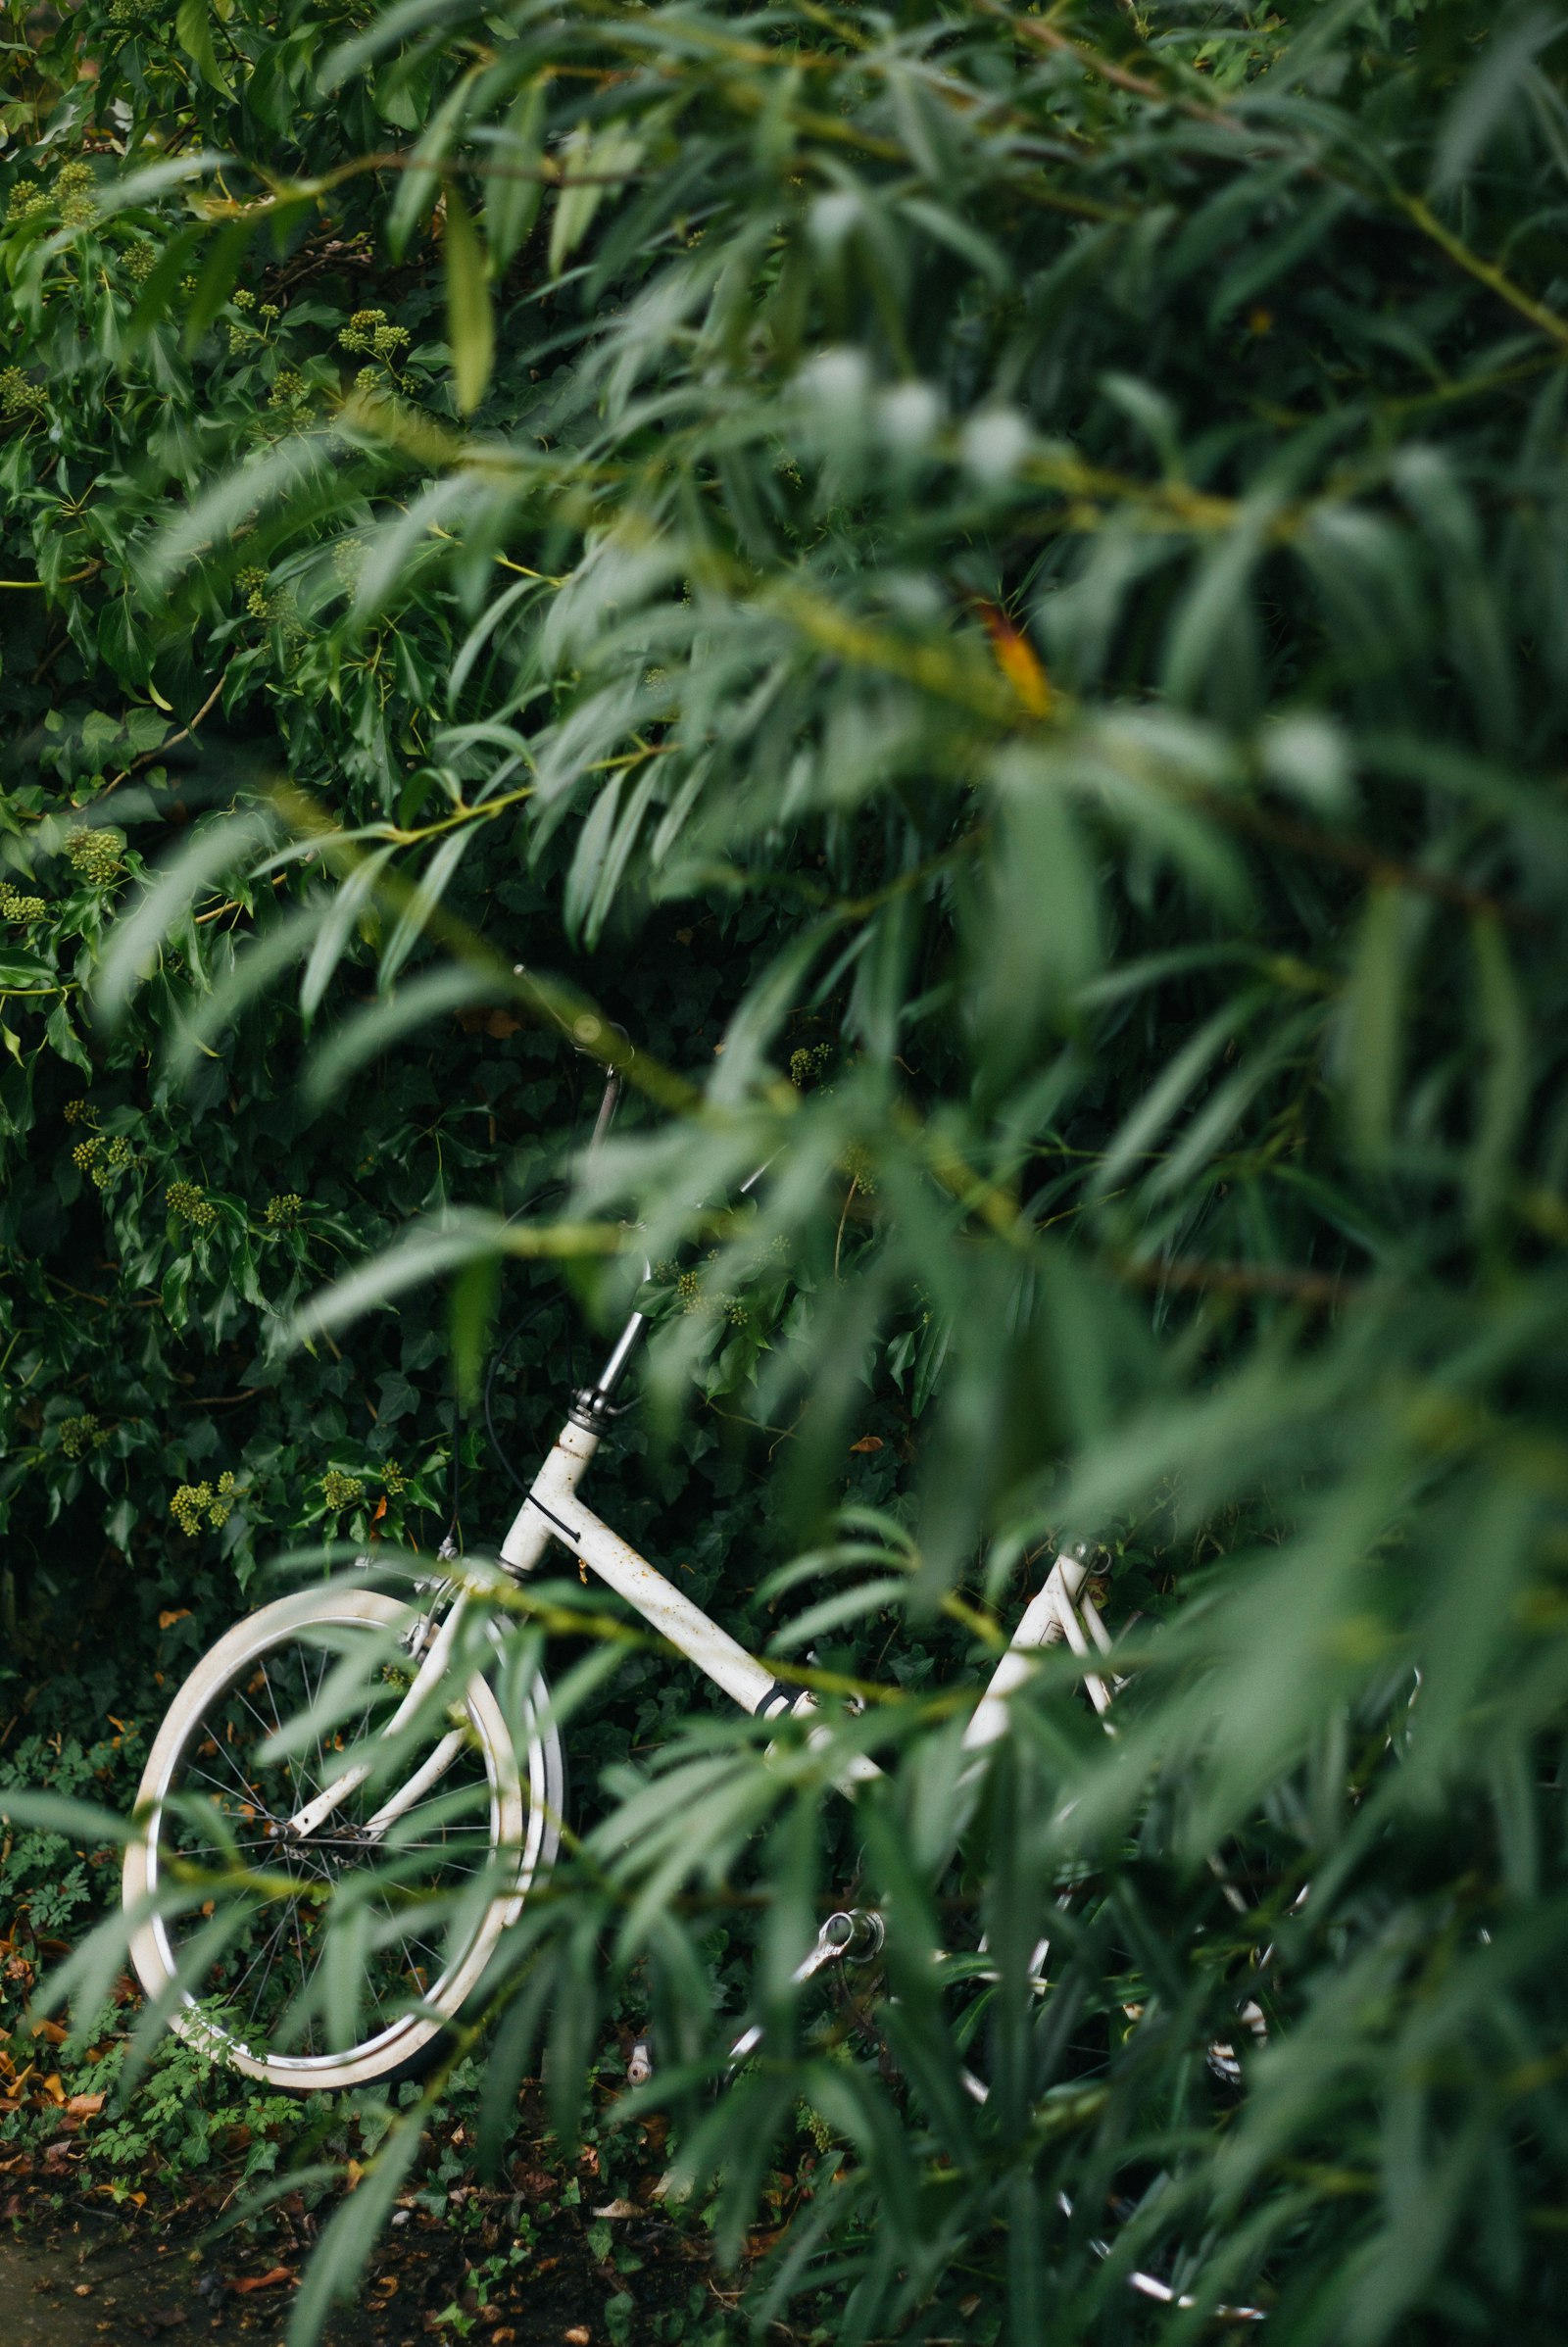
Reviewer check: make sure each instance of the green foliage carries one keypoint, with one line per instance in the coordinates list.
(159, 1233)
(1026, 554)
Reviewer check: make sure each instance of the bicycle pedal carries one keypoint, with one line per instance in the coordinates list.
(640, 2062)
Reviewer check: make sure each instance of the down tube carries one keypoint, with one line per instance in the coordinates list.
(663, 1607)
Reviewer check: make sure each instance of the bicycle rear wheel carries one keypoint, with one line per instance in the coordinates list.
(413, 1912)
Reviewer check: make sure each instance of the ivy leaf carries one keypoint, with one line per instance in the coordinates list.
(23, 972)
(194, 32)
(64, 1039)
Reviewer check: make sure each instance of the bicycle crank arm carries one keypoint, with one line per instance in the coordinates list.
(856, 1935)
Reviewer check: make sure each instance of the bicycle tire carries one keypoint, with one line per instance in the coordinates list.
(521, 1832)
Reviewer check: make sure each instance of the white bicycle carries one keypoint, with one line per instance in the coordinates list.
(315, 1759)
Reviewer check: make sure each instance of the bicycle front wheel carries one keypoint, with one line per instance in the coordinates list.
(335, 1958)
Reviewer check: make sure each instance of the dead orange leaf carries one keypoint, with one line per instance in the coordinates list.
(175, 1613)
(868, 1442)
(276, 2278)
(1018, 659)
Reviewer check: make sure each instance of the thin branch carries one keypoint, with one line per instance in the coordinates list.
(1358, 855)
(44, 586)
(149, 757)
(1321, 1289)
(1486, 273)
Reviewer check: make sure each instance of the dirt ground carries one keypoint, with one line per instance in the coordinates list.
(74, 2280)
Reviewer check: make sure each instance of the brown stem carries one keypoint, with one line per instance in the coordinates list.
(1321, 1289)
(149, 757)
(1356, 856)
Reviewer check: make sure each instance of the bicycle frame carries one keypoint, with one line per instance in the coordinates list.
(555, 1512)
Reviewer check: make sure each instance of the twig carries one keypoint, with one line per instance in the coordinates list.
(1485, 272)
(1415, 207)
(149, 757)
(43, 585)
(1319, 1288)
(1357, 855)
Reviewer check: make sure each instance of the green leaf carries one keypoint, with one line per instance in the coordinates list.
(1374, 1018)
(1504, 1087)
(219, 272)
(475, 1292)
(595, 160)
(470, 324)
(431, 994)
(194, 32)
(58, 1813)
(139, 938)
(517, 189)
(22, 972)
(61, 1033)
(1493, 89)
(421, 176)
(157, 296)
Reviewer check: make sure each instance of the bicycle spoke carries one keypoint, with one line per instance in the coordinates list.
(224, 1753)
(261, 1954)
(276, 1960)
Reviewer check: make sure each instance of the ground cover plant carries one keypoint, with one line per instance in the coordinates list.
(976, 596)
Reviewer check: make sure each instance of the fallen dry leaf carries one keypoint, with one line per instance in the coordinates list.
(54, 2030)
(166, 1621)
(276, 2278)
(868, 1442)
(619, 2207)
(85, 2106)
(578, 2335)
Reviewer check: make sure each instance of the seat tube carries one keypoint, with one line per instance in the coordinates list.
(541, 1519)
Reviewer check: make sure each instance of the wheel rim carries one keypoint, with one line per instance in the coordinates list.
(454, 1861)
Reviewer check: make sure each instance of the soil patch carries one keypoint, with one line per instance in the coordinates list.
(76, 2280)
